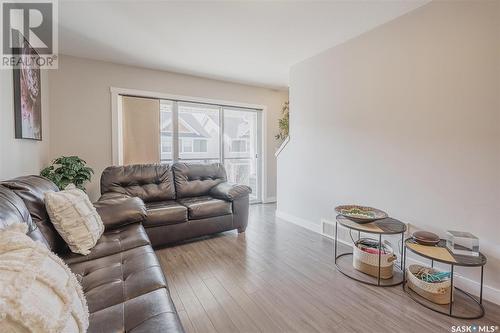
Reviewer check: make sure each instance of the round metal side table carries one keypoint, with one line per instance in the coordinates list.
(343, 261)
(462, 304)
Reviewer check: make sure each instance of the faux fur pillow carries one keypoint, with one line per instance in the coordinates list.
(38, 292)
(75, 218)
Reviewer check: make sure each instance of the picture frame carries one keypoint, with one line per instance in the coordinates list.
(27, 95)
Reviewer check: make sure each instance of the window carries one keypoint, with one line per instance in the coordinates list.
(186, 145)
(198, 131)
(206, 133)
(238, 146)
(199, 146)
(241, 146)
(166, 146)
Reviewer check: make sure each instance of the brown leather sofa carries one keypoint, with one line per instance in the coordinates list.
(122, 279)
(182, 201)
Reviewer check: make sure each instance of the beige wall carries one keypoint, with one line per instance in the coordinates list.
(141, 130)
(405, 117)
(81, 107)
(21, 157)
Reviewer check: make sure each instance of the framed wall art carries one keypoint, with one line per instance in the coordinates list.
(28, 95)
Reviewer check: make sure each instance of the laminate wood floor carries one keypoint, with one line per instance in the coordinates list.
(279, 277)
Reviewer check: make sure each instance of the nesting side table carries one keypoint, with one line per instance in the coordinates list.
(343, 261)
(462, 304)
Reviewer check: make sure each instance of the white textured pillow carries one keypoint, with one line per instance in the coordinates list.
(38, 292)
(75, 218)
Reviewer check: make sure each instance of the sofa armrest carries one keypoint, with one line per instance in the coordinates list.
(229, 191)
(117, 210)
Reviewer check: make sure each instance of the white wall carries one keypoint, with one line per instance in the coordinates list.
(406, 118)
(21, 157)
(81, 107)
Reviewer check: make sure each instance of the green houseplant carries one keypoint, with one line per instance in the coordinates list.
(68, 170)
(283, 123)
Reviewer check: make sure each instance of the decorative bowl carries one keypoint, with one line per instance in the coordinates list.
(361, 214)
(425, 238)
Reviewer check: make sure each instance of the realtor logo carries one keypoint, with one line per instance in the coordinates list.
(30, 25)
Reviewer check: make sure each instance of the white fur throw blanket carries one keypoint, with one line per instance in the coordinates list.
(38, 292)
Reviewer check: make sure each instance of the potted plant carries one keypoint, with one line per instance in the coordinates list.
(283, 123)
(67, 170)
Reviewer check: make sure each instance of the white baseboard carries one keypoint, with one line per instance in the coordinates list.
(269, 200)
(489, 293)
(298, 221)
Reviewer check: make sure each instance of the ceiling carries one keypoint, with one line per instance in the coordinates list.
(252, 42)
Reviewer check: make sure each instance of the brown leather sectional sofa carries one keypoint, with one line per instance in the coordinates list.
(123, 282)
(182, 201)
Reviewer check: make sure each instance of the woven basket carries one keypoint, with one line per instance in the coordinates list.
(438, 293)
(368, 262)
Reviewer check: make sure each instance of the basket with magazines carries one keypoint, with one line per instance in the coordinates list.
(366, 258)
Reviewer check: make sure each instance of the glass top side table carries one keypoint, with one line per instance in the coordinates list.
(460, 305)
(343, 261)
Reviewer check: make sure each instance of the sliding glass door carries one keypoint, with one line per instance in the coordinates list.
(206, 133)
(242, 148)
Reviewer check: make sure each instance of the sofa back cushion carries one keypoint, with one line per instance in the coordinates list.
(13, 210)
(150, 182)
(31, 189)
(193, 180)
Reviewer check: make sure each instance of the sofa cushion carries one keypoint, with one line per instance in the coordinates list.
(203, 207)
(150, 182)
(111, 242)
(152, 312)
(165, 213)
(31, 189)
(114, 279)
(193, 180)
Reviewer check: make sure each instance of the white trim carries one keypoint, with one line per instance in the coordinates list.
(282, 146)
(489, 293)
(263, 154)
(160, 95)
(116, 129)
(116, 120)
(298, 221)
(269, 200)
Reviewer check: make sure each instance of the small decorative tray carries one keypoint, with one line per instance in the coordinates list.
(361, 214)
(426, 238)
